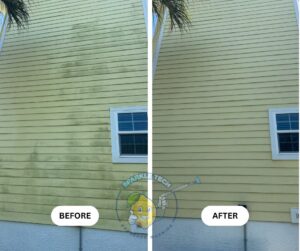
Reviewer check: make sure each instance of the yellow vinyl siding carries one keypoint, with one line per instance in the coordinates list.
(58, 80)
(213, 87)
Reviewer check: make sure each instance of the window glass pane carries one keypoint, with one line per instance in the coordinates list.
(282, 117)
(141, 139)
(127, 139)
(141, 149)
(288, 142)
(136, 121)
(140, 116)
(287, 121)
(294, 116)
(141, 144)
(140, 126)
(133, 144)
(127, 149)
(125, 126)
(283, 125)
(125, 117)
(127, 144)
(295, 125)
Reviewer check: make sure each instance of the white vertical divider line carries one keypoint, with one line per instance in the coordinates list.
(150, 84)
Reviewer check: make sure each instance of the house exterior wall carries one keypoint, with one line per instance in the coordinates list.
(58, 80)
(212, 91)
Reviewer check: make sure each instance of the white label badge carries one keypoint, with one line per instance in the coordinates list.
(75, 216)
(225, 216)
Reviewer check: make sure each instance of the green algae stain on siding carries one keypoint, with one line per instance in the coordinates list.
(212, 91)
(59, 78)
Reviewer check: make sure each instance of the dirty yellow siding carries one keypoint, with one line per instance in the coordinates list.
(212, 91)
(58, 79)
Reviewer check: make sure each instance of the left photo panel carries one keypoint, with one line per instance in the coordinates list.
(73, 125)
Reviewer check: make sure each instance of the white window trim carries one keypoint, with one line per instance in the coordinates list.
(276, 155)
(116, 156)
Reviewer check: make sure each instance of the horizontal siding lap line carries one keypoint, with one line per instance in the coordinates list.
(55, 84)
(213, 75)
(216, 98)
(50, 65)
(96, 108)
(47, 42)
(266, 3)
(191, 53)
(275, 89)
(73, 105)
(242, 37)
(217, 84)
(239, 98)
(211, 43)
(73, 23)
(288, 200)
(104, 4)
(106, 11)
(99, 115)
(223, 105)
(79, 89)
(44, 36)
(220, 47)
(102, 94)
(93, 71)
(243, 29)
(97, 122)
(134, 189)
(234, 59)
(136, 73)
(251, 56)
(247, 39)
(64, 54)
(116, 51)
(222, 66)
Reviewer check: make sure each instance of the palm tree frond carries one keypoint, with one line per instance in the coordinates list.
(17, 12)
(178, 12)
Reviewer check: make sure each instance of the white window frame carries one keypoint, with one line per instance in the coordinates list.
(276, 155)
(115, 143)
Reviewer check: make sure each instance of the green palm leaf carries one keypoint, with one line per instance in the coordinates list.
(178, 12)
(17, 12)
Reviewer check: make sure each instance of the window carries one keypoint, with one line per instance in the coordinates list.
(284, 130)
(129, 134)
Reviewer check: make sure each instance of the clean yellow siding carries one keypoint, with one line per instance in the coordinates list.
(58, 79)
(212, 91)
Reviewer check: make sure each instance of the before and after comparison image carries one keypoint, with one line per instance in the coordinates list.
(163, 125)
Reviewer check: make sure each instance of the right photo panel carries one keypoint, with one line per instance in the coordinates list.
(225, 125)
